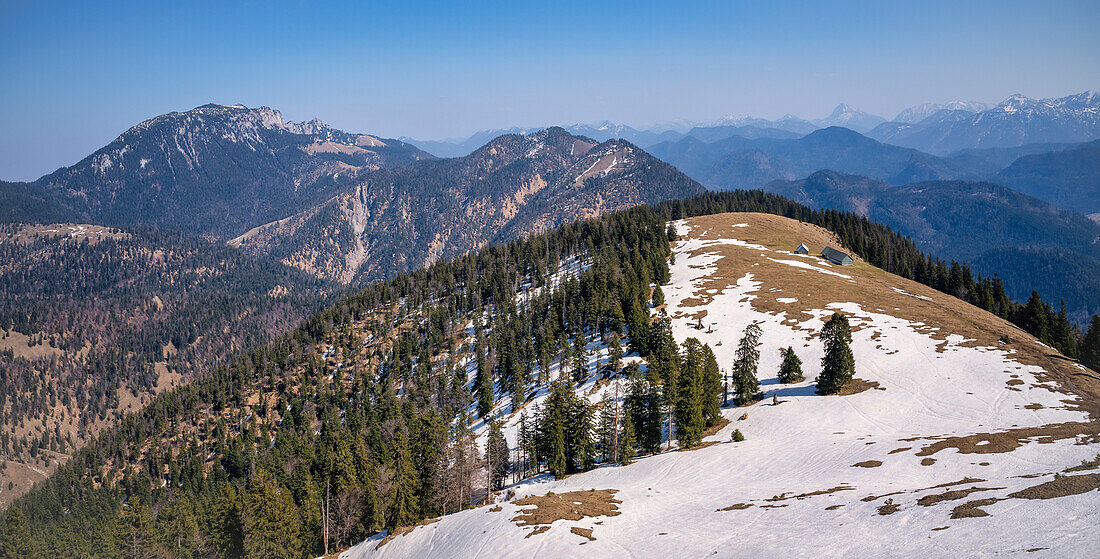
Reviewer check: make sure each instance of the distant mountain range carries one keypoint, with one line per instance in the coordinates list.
(1016, 121)
(937, 128)
(1027, 242)
(739, 162)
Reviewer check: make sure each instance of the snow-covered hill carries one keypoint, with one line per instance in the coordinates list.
(965, 440)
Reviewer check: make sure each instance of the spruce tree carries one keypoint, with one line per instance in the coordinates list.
(1090, 345)
(556, 443)
(627, 450)
(838, 365)
(271, 520)
(496, 455)
(790, 371)
(745, 364)
(16, 539)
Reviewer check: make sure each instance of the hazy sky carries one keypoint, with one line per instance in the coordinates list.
(73, 76)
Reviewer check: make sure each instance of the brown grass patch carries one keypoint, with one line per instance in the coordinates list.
(902, 449)
(711, 431)
(889, 508)
(573, 505)
(402, 530)
(1007, 441)
(952, 495)
(704, 444)
(1014, 382)
(868, 464)
(1060, 487)
(583, 532)
(927, 461)
(497, 508)
(538, 530)
(857, 385)
(801, 496)
(972, 509)
(736, 506)
(833, 507)
(940, 528)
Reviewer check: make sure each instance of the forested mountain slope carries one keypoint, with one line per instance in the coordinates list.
(400, 219)
(1068, 178)
(367, 409)
(94, 321)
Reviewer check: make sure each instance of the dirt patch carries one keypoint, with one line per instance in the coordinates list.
(402, 530)
(573, 505)
(1060, 487)
(940, 528)
(927, 461)
(868, 464)
(889, 508)
(870, 498)
(1014, 382)
(538, 530)
(496, 509)
(902, 449)
(857, 385)
(952, 495)
(1007, 441)
(833, 507)
(583, 532)
(1033, 406)
(711, 431)
(801, 496)
(972, 509)
(737, 506)
(962, 481)
(698, 446)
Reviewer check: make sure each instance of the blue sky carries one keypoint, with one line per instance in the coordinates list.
(73, 76)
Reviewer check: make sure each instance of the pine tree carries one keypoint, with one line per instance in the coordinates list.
(580, 357)
(1090, 345)
(403, 507)
(581, 452)
(627, 450)
(745, 363)
(270, 520)
(791, 370)
(496, 455)
(615, 352)
(556, 443)
(483, 382)
(838, 365)
(16, 539)
(712, 387)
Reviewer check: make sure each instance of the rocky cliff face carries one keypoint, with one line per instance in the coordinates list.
(397, 219)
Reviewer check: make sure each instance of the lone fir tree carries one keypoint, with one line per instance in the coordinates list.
(838, 365)
(791, 369)
(744, 365)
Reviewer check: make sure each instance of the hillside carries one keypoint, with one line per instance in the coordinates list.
(95, 321)
(739, 162)
(215, 170)
(401, 219)
(959, 443)
(1068, 178)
